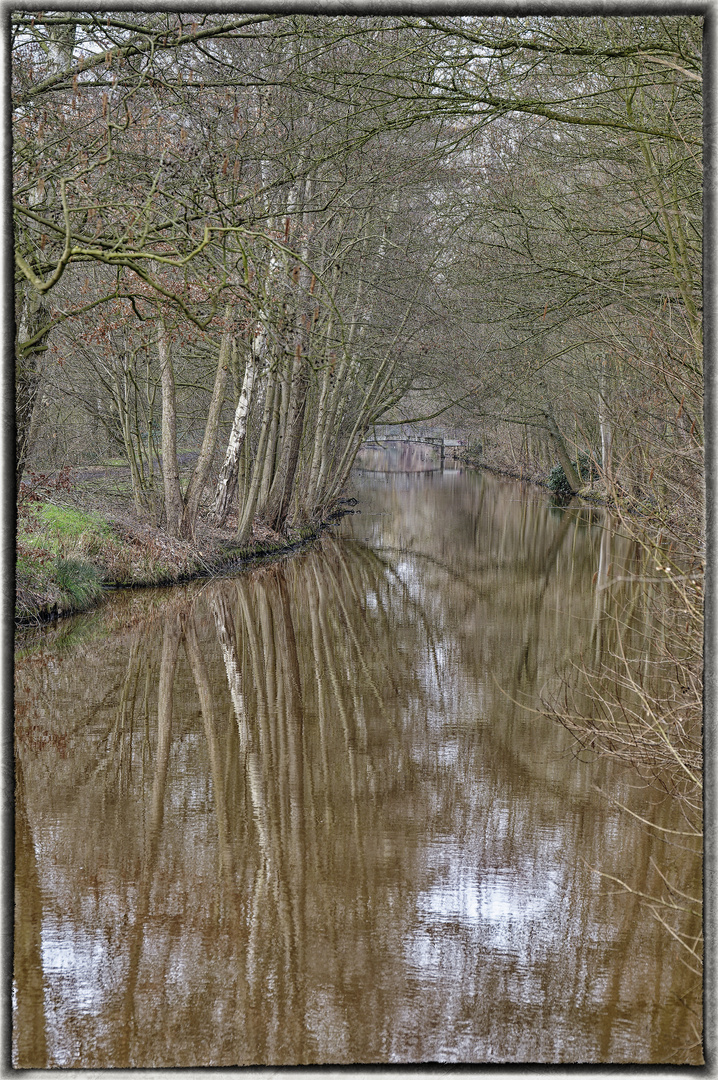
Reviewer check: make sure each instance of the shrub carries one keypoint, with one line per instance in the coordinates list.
(585, 468)
(557, 481)
(40, 486)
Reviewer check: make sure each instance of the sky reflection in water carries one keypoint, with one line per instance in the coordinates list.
(310, 814)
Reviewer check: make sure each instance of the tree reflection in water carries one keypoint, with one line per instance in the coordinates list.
(304, 816)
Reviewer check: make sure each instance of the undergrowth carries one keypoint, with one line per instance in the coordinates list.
(66, 556)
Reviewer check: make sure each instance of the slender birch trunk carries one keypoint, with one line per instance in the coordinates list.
(228, 474)
(246, 516)
(274, 437)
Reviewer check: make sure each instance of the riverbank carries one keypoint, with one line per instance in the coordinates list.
(511, 474)
(69, 557)
(592, 492)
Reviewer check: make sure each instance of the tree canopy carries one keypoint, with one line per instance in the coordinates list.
(478, 219)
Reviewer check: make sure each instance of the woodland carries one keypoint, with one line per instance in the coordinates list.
(246, 243)
(258, 237)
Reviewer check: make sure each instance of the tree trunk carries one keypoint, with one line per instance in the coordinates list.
(276, 436)
(135, 477)
(327, 383)
(28, 376)
(246, 516)
(228, 474)
(605, 425)
(174, 504)
(198, 480)
(560, 447)
(278, 509)
(31, 307)
(572, 477)
(305, 316)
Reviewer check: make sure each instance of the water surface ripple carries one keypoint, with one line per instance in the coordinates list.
(311, 814)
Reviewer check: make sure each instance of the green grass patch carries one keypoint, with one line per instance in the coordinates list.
(61, 531)
(55, 549)
(67, 522)
(111, 463)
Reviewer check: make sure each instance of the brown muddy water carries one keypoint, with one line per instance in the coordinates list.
(313, 814)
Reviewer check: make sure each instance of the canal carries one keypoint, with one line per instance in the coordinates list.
(316, 812)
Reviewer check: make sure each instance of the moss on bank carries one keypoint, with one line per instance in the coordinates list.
(67, 558)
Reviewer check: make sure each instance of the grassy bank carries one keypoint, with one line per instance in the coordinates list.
(67, 557)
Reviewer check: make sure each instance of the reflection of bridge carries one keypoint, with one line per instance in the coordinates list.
(437, 442)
